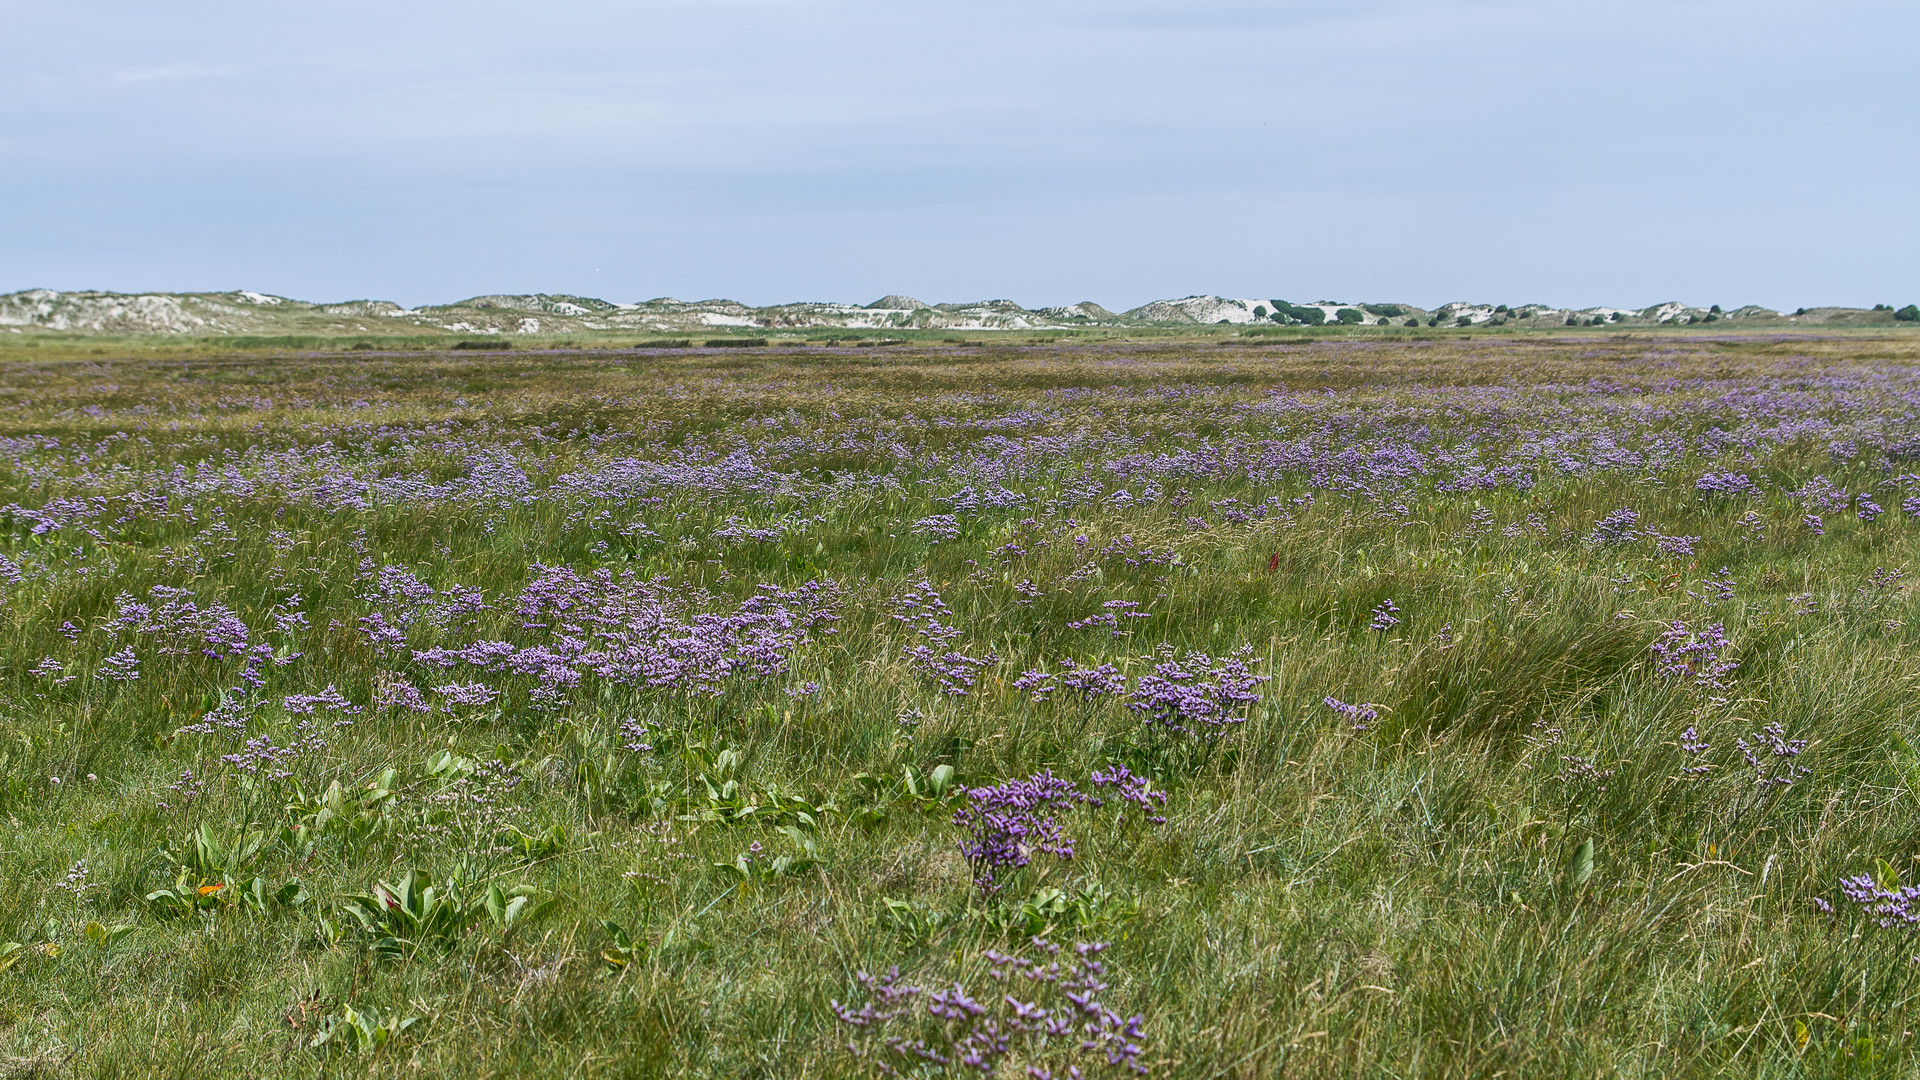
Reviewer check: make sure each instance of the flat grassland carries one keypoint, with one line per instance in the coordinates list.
(1533, 707)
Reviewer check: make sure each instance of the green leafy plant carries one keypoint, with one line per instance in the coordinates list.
(1049, 908)
(103, 935)
(755, 867)
(337, 811)
(913, 919)
(927, 794)
(402, 917)
(625, 950)
(357, 1032)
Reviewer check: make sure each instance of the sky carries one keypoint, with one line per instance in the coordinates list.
(1121, 151)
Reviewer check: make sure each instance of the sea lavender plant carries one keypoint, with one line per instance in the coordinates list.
(121, 667)
(1197, 694)
(1361, 717)
(1694, 747)
(1619, 527)
(1724, 484)
(1042, 1018)
(922, 610)
(1132, 790)
(1895, 908)
(1771, 757)
(1698, 656)
(1007, 823)
(1386, 616)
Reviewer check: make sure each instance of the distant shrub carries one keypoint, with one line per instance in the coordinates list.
(1573, 320)
(1412, 322)
(736, 342)
(1596, 321)
(1910, 313)
(1800, 311)
(1433, 320)
(1500, 309)
(1347, 316)
(1385, 311)
(669, 343)
(1285, 312)
(1715, 309)
(1259, 311)
(483, 345)
(1463, 320)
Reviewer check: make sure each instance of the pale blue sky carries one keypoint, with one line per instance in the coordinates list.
(1567, 153)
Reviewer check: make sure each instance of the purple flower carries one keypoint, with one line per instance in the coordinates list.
(1680, 546)
(1618, 527)
(1770, 754)
(1386, 616)
(1133, 790)
(1725, 484)
(1197, 694)
(1890, 908)
(1680, 653)
(1694, 746)
(304, 704)
(123, 666)
(467, 695)
(1360, 716)
(1008, 822)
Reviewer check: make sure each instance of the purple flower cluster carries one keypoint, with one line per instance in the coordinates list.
(1725, 484)
(181, 627)
(305, 704)
(630, 632)
(262, 757)
(937, 527)
(1673, 546)
(395, 693)
(1007, 823)
(1619, 527)
(1048, 1020)
(123, 666)
(1115, 610)
(1360, 716)
(1693, 746)
(1699, 656)
(1135, 791)
(1770, 754)
(1823, 495)
(1198, 694)
(1891, 909)
(1386, 616)
(922, 610)
(1091, 682)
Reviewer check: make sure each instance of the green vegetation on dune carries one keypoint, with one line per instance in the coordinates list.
(1387, 704)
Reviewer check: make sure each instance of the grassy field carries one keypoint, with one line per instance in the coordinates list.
(1394, 706)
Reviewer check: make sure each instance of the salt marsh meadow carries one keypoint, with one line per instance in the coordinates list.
(1428, 705)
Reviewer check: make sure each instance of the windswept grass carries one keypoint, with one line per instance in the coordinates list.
(682, 806)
